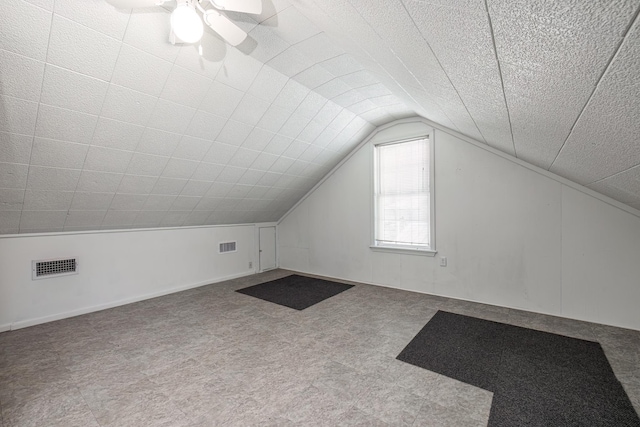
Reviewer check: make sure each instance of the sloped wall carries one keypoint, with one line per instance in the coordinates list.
(512, 236)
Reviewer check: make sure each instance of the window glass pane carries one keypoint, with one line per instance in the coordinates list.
(402, 194)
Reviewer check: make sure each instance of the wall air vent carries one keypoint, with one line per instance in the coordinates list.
(227, 247)
(43, 269)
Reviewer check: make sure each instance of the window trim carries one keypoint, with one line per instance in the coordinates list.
(431, 251)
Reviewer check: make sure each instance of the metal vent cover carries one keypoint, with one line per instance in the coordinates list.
(227, 247)
(42, 269)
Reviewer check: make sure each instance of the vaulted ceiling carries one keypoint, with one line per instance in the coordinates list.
(104, 124)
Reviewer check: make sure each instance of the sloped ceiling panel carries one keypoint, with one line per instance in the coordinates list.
(552, 82)
(104, 124)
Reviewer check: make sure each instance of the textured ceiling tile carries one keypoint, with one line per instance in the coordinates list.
(141, 71)
(15, 148)
(313, 76)
(158, 142)
(267, 84)
(44, 178)
(73, 91)
(230, 174)
(243, 157)
(278, 145)
(119, 219)
(234, 133)
(274, 118)
(250, 110)
(221, 100)
(554, 50)
(184, 203)
(264, 161)
(148, 30)
(185, 87)
(66, 125)
(174, 219)
(24, 29)
(191, 148)
(238, 70)
(207, 204)
(342, 65)
(217, 189)
(180, 168)
(208, 64)
(18, 115)
(95, 14)
(220, 153)
(21, 76)
(90, 201)
(195, 188)
(333, 88)
(311, 131)
(116, 134)
(197, 218)
(42, 220)
(13, 175)
(291, 62)
(604, 140)
(101, 159)
(205, 125)
(99, 182)
(171, 117)
(58, 154)
(128, 202)
(610, 17)
(266, 45)
(292, 26)
(257, 139)
(9, 222)
(36, 200)
(169, 186)
(206, 172)
(136, 184)
(128, 105)
(147, 164)
(11, 199)
(78, 48)
(251, 177)
(158, 202)
(294, 125)
(320, 48)
(624, 187)
(84, 218)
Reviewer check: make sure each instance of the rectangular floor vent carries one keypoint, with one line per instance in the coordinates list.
(227, 247)
(43, 269)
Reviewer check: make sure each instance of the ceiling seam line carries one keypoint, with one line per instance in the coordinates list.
(443, 70)
(75, 190)
(597, 85)
(613, 175)
(35, 125)
(504, 93)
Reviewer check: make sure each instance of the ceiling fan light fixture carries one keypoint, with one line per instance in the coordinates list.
(186, 24)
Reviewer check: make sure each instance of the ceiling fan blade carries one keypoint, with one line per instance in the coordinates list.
(131, 4)
(245, 6)
(222, 25)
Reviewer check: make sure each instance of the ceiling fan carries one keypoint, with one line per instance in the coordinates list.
(186, 24)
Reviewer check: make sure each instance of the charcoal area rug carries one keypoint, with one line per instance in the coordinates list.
(298, 292)
(537, 378)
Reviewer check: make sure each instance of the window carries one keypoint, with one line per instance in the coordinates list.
(403, 196)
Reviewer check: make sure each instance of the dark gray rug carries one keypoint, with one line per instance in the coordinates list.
(295, 291)
(537, 378)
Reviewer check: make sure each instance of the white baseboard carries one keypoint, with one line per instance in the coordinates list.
(59, 316)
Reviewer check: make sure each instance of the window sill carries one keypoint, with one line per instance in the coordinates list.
(421, 252)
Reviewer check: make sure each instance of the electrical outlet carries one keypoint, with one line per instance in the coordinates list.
(250, 264)
(443, 261)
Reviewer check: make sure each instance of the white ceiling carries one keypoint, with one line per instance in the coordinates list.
(104, 124)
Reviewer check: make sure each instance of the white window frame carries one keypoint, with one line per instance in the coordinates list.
(431, 251)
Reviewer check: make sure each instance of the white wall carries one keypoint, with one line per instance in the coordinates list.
(115, 268)
(513, 237)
